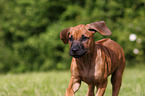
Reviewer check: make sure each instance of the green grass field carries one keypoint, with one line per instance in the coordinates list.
(54, 83)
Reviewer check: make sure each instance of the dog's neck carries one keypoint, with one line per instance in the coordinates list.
(87, 58)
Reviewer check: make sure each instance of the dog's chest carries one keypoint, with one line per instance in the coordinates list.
(92, 69)
(90, 75)
(87, 76)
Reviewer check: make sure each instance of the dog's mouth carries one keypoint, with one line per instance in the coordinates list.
(78, 54)
(77, 49)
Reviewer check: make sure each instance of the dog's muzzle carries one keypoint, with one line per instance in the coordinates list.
(77, 50)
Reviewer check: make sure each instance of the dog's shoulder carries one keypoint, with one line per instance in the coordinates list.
(111, 47)
(102, 44)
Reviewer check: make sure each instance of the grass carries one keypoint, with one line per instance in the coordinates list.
(54, 83)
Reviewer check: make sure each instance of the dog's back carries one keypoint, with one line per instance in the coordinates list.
(112, 45)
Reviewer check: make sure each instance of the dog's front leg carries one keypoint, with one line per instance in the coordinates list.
(90, 90)
(74, 85)
(101, 88)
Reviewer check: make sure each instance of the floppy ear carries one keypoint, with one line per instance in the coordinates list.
(100, 27)
(64, 35)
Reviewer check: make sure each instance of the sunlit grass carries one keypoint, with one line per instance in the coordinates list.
(54, 83)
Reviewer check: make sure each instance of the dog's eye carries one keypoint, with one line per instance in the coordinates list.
(84, 38)
(71, 38)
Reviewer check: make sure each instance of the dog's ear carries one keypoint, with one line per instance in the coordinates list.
(64, 35)
(100, 27)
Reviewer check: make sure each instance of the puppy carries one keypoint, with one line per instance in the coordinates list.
(92, 61)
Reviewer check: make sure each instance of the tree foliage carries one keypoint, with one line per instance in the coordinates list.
(29, 30)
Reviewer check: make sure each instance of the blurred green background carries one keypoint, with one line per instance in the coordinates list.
(29, 30)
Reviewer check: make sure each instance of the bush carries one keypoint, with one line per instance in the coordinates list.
(29, 30)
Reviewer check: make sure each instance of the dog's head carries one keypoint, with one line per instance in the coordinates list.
(80, 37)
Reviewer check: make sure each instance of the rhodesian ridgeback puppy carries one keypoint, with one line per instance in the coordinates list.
(92, 61)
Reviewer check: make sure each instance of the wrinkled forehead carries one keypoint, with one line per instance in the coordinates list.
(79, 30)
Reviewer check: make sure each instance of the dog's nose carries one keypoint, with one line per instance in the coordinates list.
(75, 50)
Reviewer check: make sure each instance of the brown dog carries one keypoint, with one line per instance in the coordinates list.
(92, 61)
